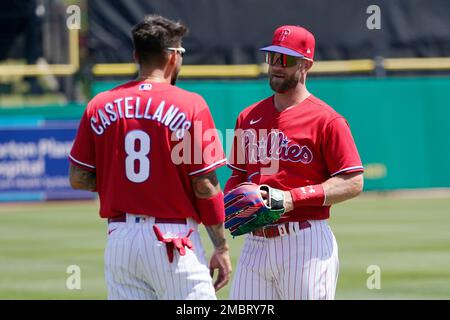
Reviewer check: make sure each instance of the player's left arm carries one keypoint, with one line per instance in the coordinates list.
(343, 163)
(209, 202)
(337, 189)
(82, 179)
(343, 187)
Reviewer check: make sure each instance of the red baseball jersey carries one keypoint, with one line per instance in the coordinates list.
(145, 141)
(305, 144)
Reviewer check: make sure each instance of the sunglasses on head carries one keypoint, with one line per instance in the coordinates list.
(272, 58)
(179, 50)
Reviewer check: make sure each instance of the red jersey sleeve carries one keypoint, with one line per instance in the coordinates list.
(206, 143)
(236, 160)
(340, 152)
(83, 149)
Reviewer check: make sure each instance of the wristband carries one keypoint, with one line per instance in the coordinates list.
(313, 195)
(211, 210)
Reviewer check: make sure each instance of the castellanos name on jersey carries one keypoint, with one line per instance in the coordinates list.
(130, 108)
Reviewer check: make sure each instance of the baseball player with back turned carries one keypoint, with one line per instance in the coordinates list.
(153, 202)
(304, 151)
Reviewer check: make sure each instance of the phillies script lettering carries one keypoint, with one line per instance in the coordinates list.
(273, 146)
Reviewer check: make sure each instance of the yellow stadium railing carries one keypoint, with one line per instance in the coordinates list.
(253, 70)
(240, 71)
(222, 71)
(46, 69)
(406, 64)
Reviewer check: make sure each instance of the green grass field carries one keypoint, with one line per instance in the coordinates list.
(408, 239)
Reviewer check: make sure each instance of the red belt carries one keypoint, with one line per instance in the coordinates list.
(278, 230)
(123, 218)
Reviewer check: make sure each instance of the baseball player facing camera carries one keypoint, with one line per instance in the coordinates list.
(293, 157)
(152, 201)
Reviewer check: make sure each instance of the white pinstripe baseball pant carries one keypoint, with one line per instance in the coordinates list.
(296, 266)
(137, 266)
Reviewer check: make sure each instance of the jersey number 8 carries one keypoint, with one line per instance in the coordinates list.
(140, 155)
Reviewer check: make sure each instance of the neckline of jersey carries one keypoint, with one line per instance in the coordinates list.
(291, 107)
(149, 81)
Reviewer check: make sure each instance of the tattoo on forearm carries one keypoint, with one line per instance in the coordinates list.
(83, 179)
(206, 185)
(216, 234)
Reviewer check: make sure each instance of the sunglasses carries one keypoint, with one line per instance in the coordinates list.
(285, 60)
(179, 50)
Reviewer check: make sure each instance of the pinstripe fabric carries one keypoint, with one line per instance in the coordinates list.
(254, 277)
(137, 266)
(300, 265)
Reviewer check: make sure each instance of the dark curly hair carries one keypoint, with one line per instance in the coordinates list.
(153, 35)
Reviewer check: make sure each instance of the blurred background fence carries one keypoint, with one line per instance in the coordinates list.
(384, 65)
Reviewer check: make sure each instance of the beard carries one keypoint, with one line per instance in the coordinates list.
(285, 84)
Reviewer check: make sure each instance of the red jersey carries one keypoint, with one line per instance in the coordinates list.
(305, 144)
(145, 141)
